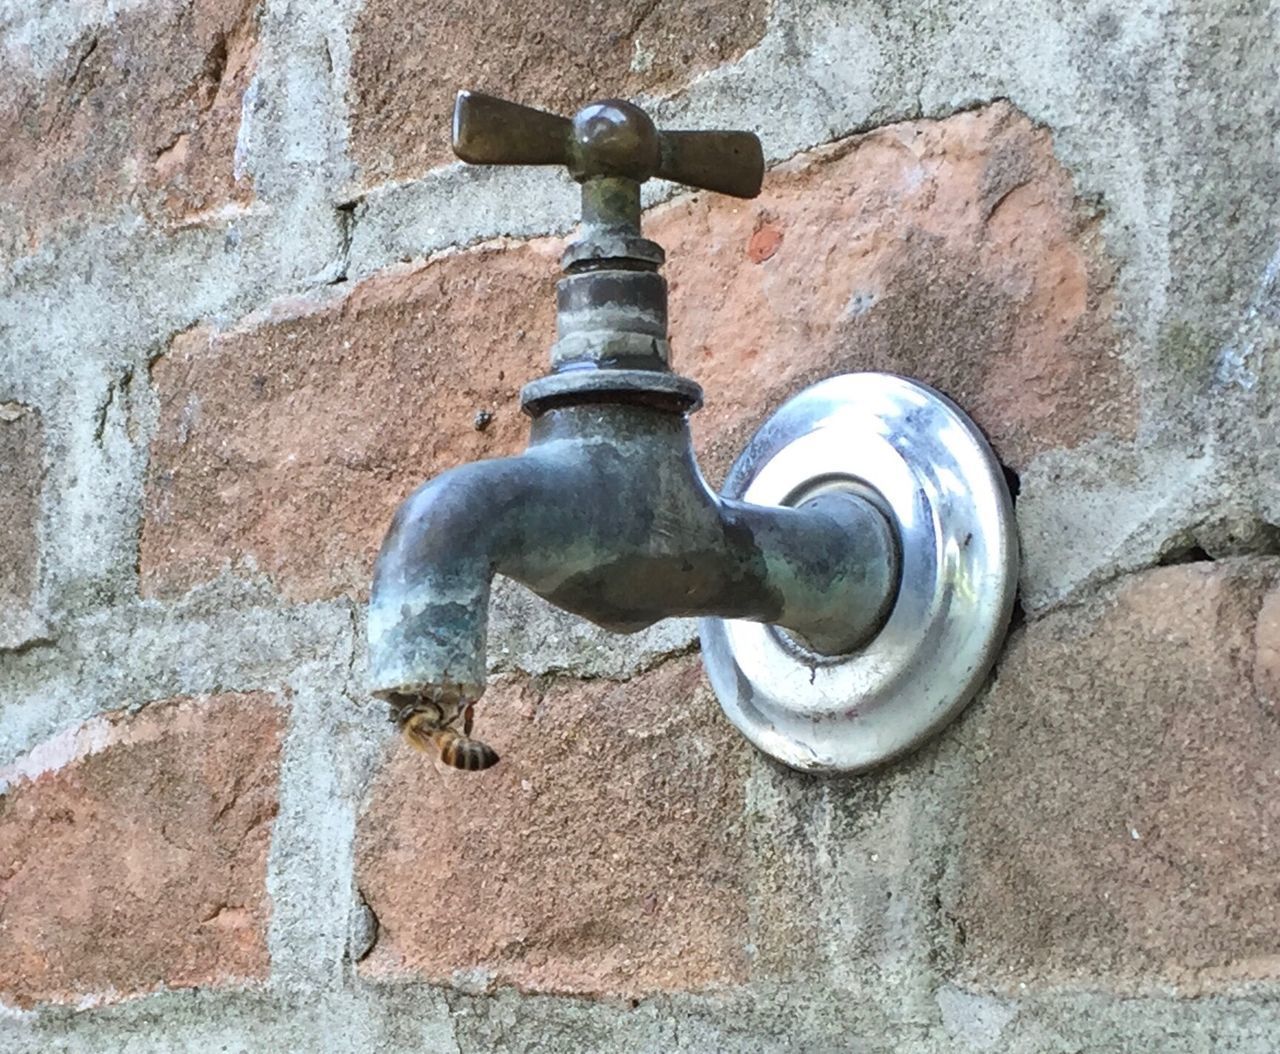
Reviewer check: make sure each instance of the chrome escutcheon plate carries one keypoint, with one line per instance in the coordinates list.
(916, 454)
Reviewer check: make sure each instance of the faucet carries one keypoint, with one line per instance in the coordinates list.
(606, 514)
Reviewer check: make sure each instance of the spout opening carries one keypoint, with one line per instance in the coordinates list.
(421, 691)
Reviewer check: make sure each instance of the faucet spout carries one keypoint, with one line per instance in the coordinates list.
(606, 515)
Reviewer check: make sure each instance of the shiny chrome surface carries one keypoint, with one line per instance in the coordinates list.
(915, 454)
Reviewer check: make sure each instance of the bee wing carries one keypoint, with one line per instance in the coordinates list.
(418, 737)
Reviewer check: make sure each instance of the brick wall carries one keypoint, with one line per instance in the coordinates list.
(248, 304)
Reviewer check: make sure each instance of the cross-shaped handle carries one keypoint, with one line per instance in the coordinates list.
(606, 138)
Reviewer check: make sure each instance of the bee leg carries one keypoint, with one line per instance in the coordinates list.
(399, 707)
(468, 716)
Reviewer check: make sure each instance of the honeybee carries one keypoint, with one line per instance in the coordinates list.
(427, 724)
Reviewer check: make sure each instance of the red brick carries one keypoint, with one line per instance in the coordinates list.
(133, 852)
(604, 853)
(411, 58)
(951, 251)
(286, 445)
(1122, 829)
(22, 455)
(1267, 644)
(144, 110)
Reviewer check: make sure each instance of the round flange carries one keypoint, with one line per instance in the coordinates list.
(682, 394)
(920, 458)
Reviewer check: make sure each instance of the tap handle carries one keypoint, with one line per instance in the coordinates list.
(611, 137)
(492, 131)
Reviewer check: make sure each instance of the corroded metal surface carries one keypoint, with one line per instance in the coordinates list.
(612, 303)
(606, 513)
(489, 131)
(611, 137)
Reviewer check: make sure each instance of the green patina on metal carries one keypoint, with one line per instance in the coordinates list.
(606, 514)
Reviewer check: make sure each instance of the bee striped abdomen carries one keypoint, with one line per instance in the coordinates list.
(427, 727)
(462, 752)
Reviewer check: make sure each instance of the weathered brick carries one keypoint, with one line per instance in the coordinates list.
(22, 461)
(286, 445)
(1123, 826)
(951, 251)
(133, 852)
(1267, 644)
(410, 58)
(603, 854)
(142, 108)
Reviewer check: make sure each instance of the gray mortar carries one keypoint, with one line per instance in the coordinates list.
(1167, 119)
(457, 206)
(1087, 515)
(132, 653)
(794, 1020)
